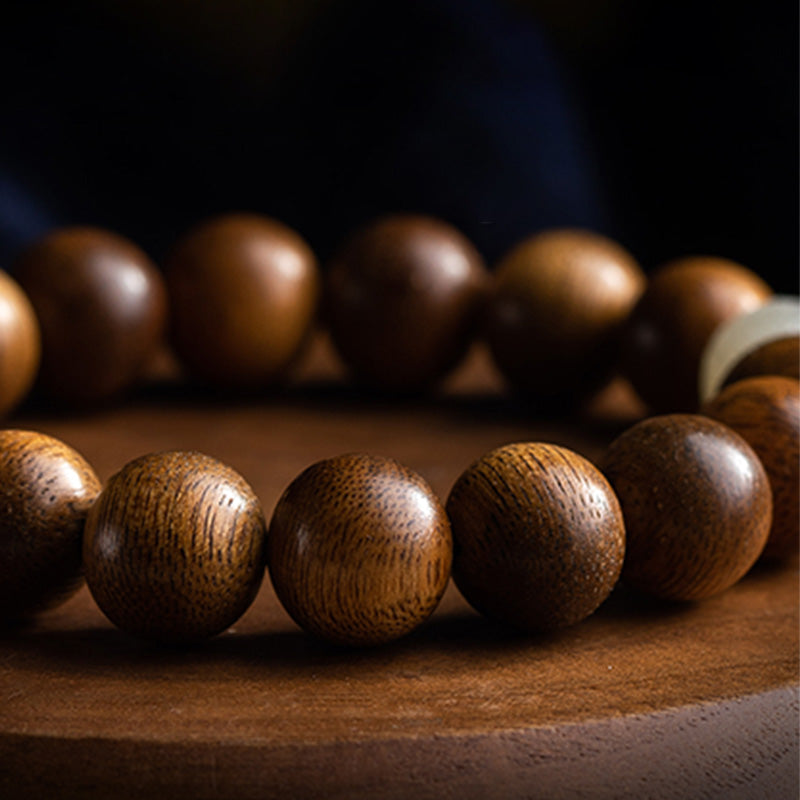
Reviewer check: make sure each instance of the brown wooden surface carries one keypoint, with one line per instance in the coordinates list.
(643, 699)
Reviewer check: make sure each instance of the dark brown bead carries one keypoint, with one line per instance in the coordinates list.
(20, 344)
(46, 490)
(244, 291)
(402, 301)
(765, 411)
(359, 550)
(558, 302)
(779, 357)
(101, 305)
(174, 547)
(538, 536)
(696, 502)
(684, 303)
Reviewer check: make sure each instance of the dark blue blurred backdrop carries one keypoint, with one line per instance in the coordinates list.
(675, 131)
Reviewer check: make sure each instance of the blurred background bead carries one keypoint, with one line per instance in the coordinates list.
(556, 310)
(46, 490)
(685, 301)
(538, 536)
(765, 411)
(20, 344)
(762, 342)
(402, 301)
(174, 547)
(244, 292)
(101, 306)
(359, 550)
(696, 501)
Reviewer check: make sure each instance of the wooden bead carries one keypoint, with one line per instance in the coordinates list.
(101, 305)
(557, 306)
(46, 490)
(359, 550)
(20, 344)
(402, 301)
(765, 411)
(174, 548)
(244, 292)
(684, 303)
(538, 536)
(696, 502)
(762, 342)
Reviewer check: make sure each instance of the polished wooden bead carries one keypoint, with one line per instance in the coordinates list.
(685, 302)
(696, 502)
(765, 411)
(174, 548)
(779, 357)
(558, 302)
(46, 490)
(101, 305)
(402, 301)
(20, 344)
(538, 536)
(244, 291)
(359, 550)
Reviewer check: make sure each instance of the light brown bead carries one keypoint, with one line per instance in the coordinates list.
(20, 344)
(46, 490)
(538, 536)
(402, 301)
(696, 502)
(359, 550)
(557, 306)
(685, 302)
(765, 411)
(101, 305)
(174, 547)
(244, 291)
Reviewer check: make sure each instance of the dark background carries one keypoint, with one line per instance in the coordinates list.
(670, 126)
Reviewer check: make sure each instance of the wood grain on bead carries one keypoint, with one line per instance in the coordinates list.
(685, 302)
(765, 411)
(101, 304)
(696, 502)
(538, 536)
(359, 550)
(557, 306)
(402, 301)
(174, 547)
(20, 344)
(244, 291)
(46, 490)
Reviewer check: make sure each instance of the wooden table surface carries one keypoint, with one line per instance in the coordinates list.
(644, 699)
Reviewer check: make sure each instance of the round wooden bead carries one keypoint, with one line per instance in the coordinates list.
(46, 490)
(101, 305)
(558, 302)
(402, 301)
(765, 411)
(244, 293)
(20, 344)
(684, 303)
(696, 502)
(359, 550)
(538, 536)
(174, 548)
(762, 342)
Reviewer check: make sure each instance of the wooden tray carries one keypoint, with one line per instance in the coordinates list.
(641, 700)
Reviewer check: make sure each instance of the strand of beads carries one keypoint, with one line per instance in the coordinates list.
(359, 548)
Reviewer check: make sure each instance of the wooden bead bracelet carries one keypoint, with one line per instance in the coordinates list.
(359, 549)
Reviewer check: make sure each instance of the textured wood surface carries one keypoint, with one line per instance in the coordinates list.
(642, 699)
